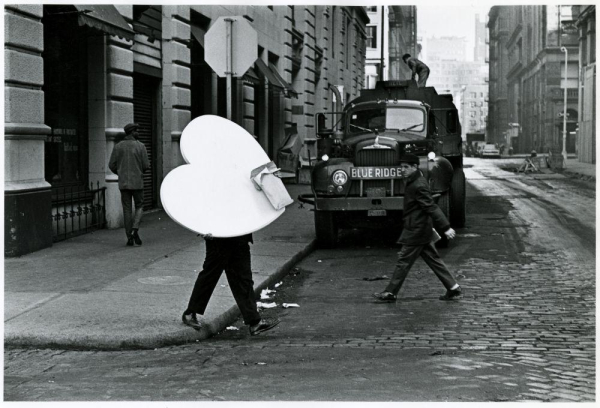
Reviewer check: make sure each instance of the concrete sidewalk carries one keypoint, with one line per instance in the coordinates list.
(94, 292)
(574, 166)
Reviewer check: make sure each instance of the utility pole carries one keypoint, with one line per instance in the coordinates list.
(564, 133)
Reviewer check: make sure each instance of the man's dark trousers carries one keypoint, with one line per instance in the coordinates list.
(132, 220)
(407, 257)
(233, 256)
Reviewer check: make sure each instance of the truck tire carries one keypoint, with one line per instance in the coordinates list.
(326, 229)
(458, 202)
(444, 204)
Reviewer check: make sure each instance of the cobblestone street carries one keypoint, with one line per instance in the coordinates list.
(523, 331)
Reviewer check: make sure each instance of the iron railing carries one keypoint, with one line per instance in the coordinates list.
(77, 210)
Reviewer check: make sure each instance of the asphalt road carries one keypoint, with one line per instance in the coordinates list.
(524, 329)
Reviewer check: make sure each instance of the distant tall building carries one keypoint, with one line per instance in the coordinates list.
(445, 49)
(451, 73)
(480, 40)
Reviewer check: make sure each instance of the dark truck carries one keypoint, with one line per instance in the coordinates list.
(356, 181)
(475, 142)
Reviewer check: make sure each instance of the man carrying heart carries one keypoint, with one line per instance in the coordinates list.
(231, 255)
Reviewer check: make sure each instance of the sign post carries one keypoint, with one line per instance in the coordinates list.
(231, 37)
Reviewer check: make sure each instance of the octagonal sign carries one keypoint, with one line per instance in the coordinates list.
(244, 50)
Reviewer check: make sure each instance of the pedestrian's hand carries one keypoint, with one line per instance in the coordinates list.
(450, 234)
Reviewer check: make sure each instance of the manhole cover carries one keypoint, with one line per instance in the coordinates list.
(164, 280)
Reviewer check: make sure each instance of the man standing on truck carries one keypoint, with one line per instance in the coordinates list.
(418, 68)
(420, 214)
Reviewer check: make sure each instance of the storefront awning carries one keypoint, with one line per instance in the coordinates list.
(251, 77)
(105, 18)
(198, 34)
(287, 86)
(274, 78)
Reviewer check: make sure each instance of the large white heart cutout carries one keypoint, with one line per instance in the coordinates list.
(213, 193)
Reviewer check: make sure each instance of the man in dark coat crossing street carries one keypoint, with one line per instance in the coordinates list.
(420, 215)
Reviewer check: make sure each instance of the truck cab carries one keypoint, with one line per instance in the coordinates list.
(357, 181)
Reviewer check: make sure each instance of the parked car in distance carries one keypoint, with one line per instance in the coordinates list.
(490, 151)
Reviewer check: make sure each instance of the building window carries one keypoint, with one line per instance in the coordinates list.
(473, 104)
(473, 94)
(65, 88)
(472, 114)
(372, 37)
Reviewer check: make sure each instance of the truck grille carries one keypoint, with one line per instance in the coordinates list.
(376, 157)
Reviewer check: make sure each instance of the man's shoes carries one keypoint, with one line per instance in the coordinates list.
(191, 320)
(136, 237)
(451, 294)
(263, 325)
(130, 241)
(385, 297)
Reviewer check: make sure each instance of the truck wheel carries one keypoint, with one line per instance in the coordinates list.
(444, 204)
(458, 206)
(326, 229)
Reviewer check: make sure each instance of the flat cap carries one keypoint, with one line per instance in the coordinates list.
(409, 158)
(130, 127)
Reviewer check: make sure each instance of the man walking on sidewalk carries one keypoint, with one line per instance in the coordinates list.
(418, 68)
(419, 216)
(233, 256)
(129, 160)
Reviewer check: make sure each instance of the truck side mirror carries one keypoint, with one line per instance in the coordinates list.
(322, 131)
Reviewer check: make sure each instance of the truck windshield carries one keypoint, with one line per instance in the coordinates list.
(399, 119)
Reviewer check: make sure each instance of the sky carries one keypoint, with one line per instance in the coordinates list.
(458, 21)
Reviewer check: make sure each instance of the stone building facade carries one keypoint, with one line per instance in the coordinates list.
(498, 129)
(535, 82)
(586, 138)
(75, 75)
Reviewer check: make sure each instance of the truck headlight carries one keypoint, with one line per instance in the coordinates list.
(339, 178)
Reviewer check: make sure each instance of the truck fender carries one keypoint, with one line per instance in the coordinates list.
(440, 174)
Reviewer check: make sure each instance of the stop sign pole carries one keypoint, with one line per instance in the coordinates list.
(229, 62)
(227, 38)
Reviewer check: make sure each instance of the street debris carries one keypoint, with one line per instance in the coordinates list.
(382, 277)
(437, 353)
(232, 328)
(287, 305)
(319, 260)
(278, 284)
(261, 363)
(266, 305)
(264, 294)
(468, 235)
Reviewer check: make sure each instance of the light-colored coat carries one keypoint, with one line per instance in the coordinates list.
(129, 160)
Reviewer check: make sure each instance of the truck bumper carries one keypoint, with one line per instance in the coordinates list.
(359, 203)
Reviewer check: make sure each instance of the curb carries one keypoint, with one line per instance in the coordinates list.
(183, 336)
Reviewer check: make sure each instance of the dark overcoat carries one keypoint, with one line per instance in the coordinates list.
(421, 213)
